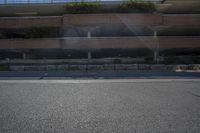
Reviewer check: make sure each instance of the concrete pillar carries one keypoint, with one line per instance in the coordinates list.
(88, 34)
(155, 56)
(156, 52)
(89, 55)
(24, 56)
(155, 34)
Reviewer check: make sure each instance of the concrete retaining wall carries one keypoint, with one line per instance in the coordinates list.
(96, 19)
(130, 19)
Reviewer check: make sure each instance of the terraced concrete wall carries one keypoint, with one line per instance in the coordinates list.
(149, 20)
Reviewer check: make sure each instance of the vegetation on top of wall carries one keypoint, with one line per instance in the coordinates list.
(82, 7)
(131, 6)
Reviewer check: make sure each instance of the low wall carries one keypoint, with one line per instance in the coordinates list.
(165, 42)
(70, 61)
(117, 67)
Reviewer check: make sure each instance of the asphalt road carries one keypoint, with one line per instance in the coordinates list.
(100, 106)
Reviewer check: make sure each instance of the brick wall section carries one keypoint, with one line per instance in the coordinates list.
(102, 42)
(20, 22)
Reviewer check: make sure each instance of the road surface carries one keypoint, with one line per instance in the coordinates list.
(100, 106)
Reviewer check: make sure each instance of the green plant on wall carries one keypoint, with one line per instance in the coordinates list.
(82, 7)
(131, 6)
(137, 6)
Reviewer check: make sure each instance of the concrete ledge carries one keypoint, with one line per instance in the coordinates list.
(26, 13)
(165, 42)
(117, 67)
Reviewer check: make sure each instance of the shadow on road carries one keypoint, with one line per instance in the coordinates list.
(100, 74)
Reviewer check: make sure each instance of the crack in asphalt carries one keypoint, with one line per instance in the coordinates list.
(196, 95)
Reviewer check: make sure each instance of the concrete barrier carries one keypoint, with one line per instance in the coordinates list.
(113, 67)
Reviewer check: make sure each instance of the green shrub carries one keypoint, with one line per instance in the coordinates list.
(82, 7)
(137, 6)
(131, 6)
